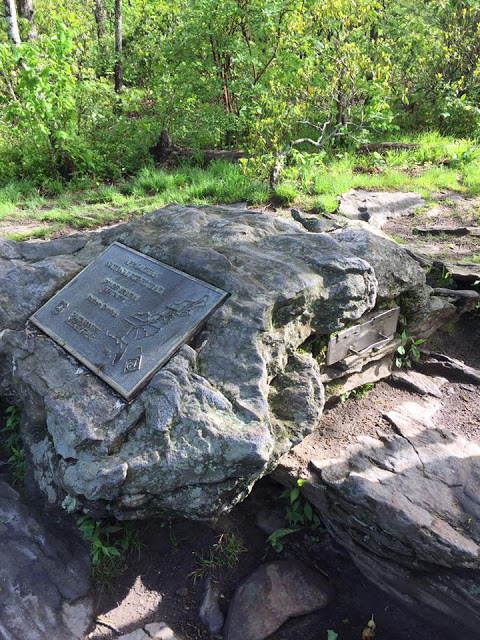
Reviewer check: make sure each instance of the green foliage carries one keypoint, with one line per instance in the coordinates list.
(358, 393)
(408, 351)
(224, 555)
(315, 180)
(300, 515)
(440, 277)
(43, 113)
(285, 193)
(110, 542)
(473, 259)
(258, 75)
(331, 635)
(12, 444)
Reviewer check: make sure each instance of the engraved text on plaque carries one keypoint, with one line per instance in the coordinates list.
(126, 314)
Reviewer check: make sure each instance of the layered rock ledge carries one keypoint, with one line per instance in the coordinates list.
(404, 504)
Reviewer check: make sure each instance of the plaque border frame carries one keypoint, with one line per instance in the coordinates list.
(171, 352)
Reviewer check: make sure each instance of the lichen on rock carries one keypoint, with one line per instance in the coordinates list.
(219, 414)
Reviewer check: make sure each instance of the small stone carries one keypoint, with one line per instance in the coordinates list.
(159, 631)
(419, 383)
(271, 595)
(138, 634)
(314, 224)
(210, 612)
(270, 521)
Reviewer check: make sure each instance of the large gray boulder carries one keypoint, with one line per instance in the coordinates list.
(44, 576)
(221, 412)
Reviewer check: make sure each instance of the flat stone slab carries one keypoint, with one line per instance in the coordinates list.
(450, 231)
(405, 505)
(126, 314)
(433, 363)
(376, 207)
(469, 273)
(419, 383)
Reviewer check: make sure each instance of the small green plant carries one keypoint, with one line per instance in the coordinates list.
(286, 193)
(110, 543)
(408, 351)
(358, 393)
(300, 515)
(225, 554)
(398, 239)
(13, 444)
(362, 391)
(441, 277)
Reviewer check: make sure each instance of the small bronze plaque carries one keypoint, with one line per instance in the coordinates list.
(126, 314)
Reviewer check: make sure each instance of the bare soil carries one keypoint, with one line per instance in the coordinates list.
(451, 210)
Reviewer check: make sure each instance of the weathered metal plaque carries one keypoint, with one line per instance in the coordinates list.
(126, 314)
(373, 333)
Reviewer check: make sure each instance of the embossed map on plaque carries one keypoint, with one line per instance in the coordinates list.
(126, 314)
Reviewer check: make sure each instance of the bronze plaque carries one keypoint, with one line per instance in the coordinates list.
(126, 314)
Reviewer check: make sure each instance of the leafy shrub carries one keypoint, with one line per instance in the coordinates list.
(299, 515)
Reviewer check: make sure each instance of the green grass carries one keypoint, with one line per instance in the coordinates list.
(224, 555)
(313, 182)
(95, 206)
(474, 258)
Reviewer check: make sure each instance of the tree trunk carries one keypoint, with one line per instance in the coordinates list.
(166, 151)
(26, 10)
(386, 146)
(118, 47)
(99, 12)
(12, 22)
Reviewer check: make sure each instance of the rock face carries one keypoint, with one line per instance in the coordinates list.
(406, 507)
(271, 595)
(376, 207)
(44, 579)
(394, 273)
(221, 412)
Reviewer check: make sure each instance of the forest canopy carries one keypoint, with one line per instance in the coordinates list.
(87, 87)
